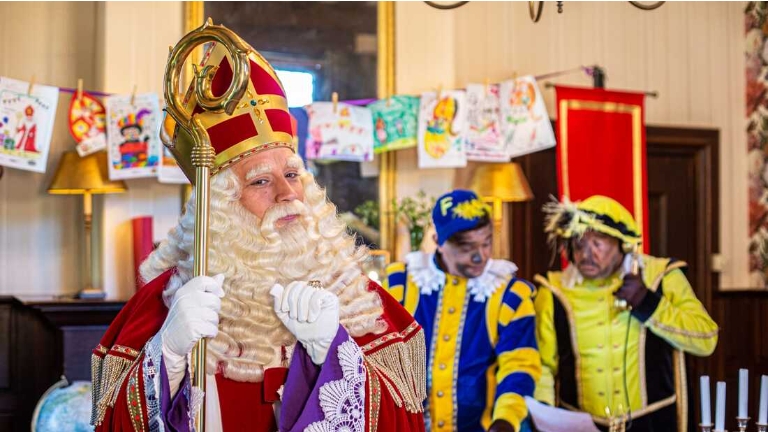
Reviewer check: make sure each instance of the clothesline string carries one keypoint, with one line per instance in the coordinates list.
(93, 92)
(362, 102)
(587, 70)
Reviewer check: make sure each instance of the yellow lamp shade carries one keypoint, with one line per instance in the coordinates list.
(77, 175)
(505, 182)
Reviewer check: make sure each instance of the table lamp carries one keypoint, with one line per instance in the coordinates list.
(499, 183)
(85, 176)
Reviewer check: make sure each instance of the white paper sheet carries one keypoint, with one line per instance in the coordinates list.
(550, 419)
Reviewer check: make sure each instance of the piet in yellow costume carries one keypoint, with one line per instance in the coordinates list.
(616, 363)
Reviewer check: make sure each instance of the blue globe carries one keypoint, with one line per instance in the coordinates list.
(64, 407)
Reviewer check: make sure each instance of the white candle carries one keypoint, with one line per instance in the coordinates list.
(720, 407)
(706, 407)
(763, 417)
(743, 392)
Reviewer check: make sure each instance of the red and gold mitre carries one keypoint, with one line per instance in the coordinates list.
(261, 120)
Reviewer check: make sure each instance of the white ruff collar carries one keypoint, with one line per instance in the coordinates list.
(429, 278)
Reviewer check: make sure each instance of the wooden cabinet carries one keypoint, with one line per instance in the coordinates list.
(42, 339)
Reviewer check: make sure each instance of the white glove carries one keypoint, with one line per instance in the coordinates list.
(310, 314)
(193, 315)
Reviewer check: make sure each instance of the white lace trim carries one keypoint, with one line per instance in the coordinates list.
(343, 401)
(429, 278)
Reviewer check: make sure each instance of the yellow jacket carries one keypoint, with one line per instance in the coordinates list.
(605, 359)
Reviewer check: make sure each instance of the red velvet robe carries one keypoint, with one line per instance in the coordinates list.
(394, 363)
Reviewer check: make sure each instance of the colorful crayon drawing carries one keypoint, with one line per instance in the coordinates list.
(525, 124)
(345, 133)
(442, 124)
(395, 122)
(133, 136)
(87, 123)
(484, 141)
(26, 124)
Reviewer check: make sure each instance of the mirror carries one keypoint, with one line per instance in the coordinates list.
(319, 48)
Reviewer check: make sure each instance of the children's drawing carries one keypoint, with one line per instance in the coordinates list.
(343, 132)
(525, 123)
(26, 124)
(87, 123)
(484, 141)
(133, 135)
(442, 124)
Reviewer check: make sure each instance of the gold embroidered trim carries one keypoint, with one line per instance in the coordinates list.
(572, 328)
(404, 364)
(125, 350)
(134, 399)
(603, 421)
(374, 401)
(681, 389)
(113, 370)
(97, 363)
(389, 337)
(688, 333)
(673, 266)
(101, 348)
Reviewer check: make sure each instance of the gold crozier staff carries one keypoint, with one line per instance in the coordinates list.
(202, 152)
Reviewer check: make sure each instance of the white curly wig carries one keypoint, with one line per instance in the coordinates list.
(254, 255)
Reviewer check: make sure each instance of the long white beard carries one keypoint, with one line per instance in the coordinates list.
(253, 255)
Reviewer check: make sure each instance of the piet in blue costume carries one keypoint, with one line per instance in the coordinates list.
(478, 319)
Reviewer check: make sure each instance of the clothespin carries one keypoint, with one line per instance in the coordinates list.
(31, 85)
(79, 88)
(514, 76)
(487, 85)
(440, 90)
(335, 101)
(389, 101)
(133, 95)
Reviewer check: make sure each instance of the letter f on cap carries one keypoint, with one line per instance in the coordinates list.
(445, 204)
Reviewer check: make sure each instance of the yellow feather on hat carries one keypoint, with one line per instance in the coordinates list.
(566, 219)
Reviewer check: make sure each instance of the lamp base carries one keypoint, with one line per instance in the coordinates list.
(91, 294)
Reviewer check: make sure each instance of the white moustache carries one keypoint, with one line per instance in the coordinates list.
(279, 211)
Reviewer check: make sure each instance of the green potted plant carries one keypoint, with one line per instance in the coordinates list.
(368, 212)
(416, 214)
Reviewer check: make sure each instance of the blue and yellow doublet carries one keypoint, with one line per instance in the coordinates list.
(483, 358)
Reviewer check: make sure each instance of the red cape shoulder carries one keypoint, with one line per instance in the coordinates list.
(139, 320)
(401, 326)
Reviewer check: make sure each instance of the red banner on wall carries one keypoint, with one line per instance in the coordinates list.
(601, 148)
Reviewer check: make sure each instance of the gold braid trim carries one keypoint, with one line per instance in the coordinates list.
(674, 266)
(681, 332)
(571, 317)
(389, 337)
(133, 397)
(374, 401)
(97, 366)
(404, 366)
(114, 369)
